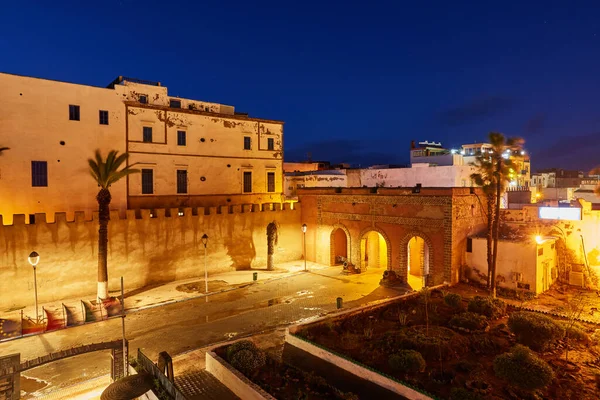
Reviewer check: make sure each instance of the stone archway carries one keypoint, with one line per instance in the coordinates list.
(374, 249)
(416, 260)
(340, 244)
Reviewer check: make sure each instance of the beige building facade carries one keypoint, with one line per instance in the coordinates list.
(190, 153)
(523, 265)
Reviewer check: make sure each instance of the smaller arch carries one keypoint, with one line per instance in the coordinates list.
(332, 244)
(427, 254)
(386, 239)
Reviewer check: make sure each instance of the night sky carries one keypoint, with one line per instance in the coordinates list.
(354, 81)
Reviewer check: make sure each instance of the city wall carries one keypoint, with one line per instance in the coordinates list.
(144, 248)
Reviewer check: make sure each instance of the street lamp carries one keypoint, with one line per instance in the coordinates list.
(205, 242)
(34, 259)
(304, 237)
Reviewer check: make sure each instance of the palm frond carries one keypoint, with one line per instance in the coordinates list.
(106, 172)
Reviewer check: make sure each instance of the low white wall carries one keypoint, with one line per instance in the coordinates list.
(355, 369)
(233, 379)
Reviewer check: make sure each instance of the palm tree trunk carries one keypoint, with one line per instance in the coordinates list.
(489, 239)
(496, 229)
(103, 199)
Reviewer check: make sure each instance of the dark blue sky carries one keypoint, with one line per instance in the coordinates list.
(354, 81)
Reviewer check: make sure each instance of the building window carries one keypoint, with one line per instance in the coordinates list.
(143, 99)
(270, 181)
(147, 134)
(541, 251)
(103, 117)
(247, 182)
(181, 138)
(247, 143)
(39, 173)
(270, 144)
(175, 103)
(469, 245)
(181, 181)
(73, 112)
(147, 181)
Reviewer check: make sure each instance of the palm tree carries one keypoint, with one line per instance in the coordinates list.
(485, 178)
(501, 151)
(105, 173)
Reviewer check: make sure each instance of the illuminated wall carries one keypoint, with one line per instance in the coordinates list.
(36, 125)
(582, 236)
(520, 264)
(142, 249)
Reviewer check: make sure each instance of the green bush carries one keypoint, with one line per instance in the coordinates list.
(407, 362)
(535, 330)
(241, 345)
(490, 307)
(248, 361)
(463, 394)
(454, 300)
(440, 341)
(483, 344)
(523, 368)
(469, 321)
(575, 332)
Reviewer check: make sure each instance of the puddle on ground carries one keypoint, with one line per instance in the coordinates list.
(200, 287)
(31, 385)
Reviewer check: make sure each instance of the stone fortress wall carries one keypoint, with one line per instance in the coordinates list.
(145, 247)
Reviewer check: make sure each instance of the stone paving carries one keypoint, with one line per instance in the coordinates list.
(149, 297)
(197, 323)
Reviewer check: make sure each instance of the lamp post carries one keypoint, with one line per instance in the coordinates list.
(205, 242)
(304, 240)
(34, 259)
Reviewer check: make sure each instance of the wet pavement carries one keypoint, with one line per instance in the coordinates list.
(196, 323)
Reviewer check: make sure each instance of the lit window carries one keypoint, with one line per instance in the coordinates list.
(147, 134)
(73, 112)
(147, 181)
(39, 173)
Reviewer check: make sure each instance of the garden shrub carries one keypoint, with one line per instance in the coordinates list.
(407, 362)
(248, 361)
(463, 394)
(537, 331)
(483, 344)
(575, 332)
(439, 341)
(468, 321)
(490, 307)
(453, 300)
(241, 345)
(523, 368)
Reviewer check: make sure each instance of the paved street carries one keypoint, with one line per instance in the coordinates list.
(180, 327)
